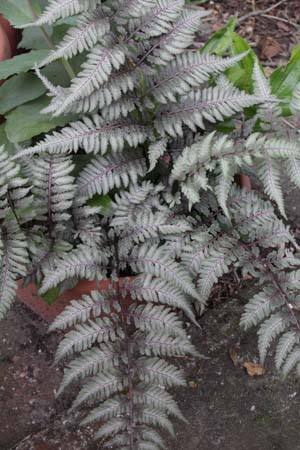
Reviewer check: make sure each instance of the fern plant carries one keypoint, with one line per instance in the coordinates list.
(148, 141)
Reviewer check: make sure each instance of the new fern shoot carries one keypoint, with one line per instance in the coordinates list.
(147, 139)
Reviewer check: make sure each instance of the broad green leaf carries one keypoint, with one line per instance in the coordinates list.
(226, 41)
(26, 121)
(101, 200)
(51, 295)
(21, 63)
(221, 41)
(241, 73)
(18, 90)
(34, 39)
(56, 73)
(59, 32)
(17, 12)
(4, 141)
(285, 79)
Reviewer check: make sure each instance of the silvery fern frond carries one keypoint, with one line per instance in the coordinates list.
(218, 262)
(155, 290)
(93, 134)
(269, 171)
(295, 103)
(54, 189)
(262, 88)
(146, 225)
(192, 167)
(87, 226)
(85, 335)
(101, 62)
(119, 109)
(140, 196)
(157, 397)
(79, 311)
(89, 30)
(61, 9)
(275, 325)
(155, 151)
(83, 262)
(156, 262)
(180, 37)
(127, 369)
(103, 174)
(260, 307)
(15, 211)
(13, 265)
(162, 344)
(225, 157)
(159, 20)
(119, 84)
(211, 104)
(186, 72)
(101, 387)
(15, 191)
(155, 318)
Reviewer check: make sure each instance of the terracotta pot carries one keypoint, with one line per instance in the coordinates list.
(8, 43)
(5, 50)
(12, 35)
(29, 296)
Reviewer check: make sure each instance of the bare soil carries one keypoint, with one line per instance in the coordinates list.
(226, 408)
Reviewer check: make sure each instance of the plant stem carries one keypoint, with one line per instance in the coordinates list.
(260, 12)
(50, 42)
(128, 345)
(11, 204)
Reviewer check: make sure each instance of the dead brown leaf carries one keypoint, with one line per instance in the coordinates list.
(269, 47)
(283, 26)
(234, 357)
(254, 369)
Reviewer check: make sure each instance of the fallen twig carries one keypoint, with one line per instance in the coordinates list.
(281, 19)
(260, 12)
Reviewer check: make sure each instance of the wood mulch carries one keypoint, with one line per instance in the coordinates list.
(271, 27)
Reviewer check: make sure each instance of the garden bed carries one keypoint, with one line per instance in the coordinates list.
(226, 408)
(272, 34)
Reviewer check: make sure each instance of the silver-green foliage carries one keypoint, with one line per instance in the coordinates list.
(148, 106)
(121, 339)
(15, 200)
(259, 244)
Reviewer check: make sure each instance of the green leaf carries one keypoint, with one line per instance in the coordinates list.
(26, 121)
(285, 79)
(59, 32)
(241, 74)
(18, 90)
(101, 200)
(4, 141)
(226, 41)
(34, 39)
(21, 63)
(56, 73)
(17, 12)
(51, 295)
(221, 41)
